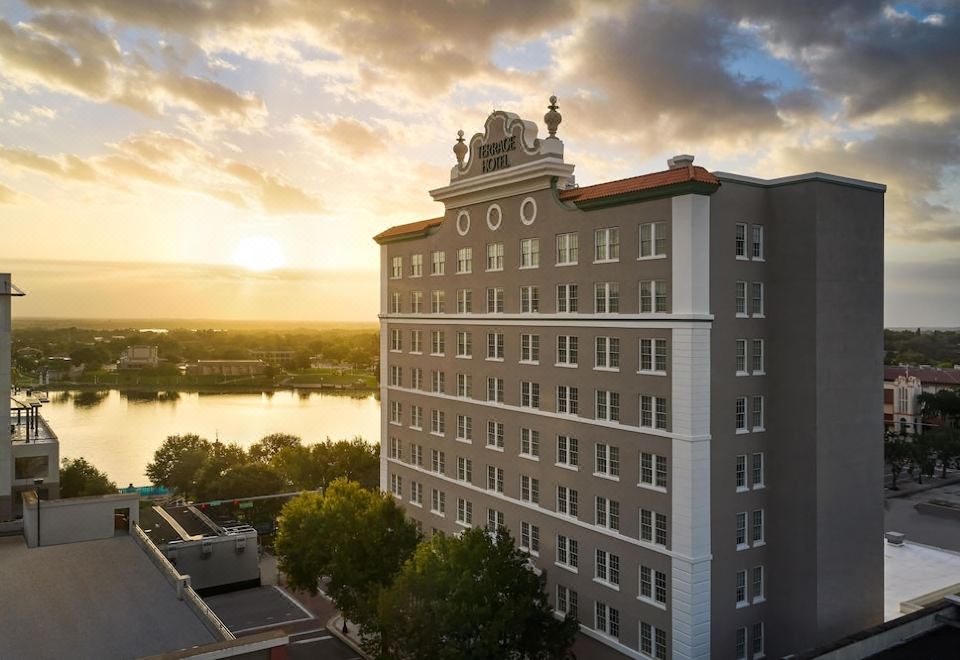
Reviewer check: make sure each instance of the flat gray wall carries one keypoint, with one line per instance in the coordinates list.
(224, 565)
(75, 519)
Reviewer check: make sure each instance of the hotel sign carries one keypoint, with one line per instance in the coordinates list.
(496, 155)
(506, 141)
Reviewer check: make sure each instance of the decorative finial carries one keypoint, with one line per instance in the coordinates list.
(552, 119)
(460, 149)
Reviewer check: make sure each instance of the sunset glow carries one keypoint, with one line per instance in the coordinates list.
(258, 253)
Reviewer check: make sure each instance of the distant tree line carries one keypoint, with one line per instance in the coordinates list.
(921, 454)
(938, 348)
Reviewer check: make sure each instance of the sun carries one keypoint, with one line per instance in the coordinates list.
(258, 253)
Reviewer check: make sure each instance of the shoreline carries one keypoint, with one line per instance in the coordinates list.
(209, 389)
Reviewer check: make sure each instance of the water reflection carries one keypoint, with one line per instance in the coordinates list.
(89, 399)
(135, 396)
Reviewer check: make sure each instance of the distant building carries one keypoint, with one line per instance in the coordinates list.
(664, 386)
(903, 384)
(273, 357)
(29, 449)
(227, 368)
(138, 357)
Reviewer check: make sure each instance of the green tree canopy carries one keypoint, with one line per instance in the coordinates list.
(357, 537)
(176, 461)
(898, 454)
(470, 597)
(271, 445)
(247, 480)
(78, 478)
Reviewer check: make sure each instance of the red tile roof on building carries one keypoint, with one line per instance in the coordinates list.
(407, 230)
(926, 375)
(689, 173)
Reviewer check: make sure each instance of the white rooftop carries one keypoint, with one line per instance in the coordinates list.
(913, 570)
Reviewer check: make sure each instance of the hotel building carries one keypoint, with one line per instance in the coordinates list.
(666, 387)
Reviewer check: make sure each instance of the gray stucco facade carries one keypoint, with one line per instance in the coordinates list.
(658, 485)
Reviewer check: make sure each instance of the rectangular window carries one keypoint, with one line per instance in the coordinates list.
(494, 256)
(741, 241)
(494, 478)
(494, 345)
(529, 253)
(567, 249)
(567, 400)
(608, 353)
(395, 411)
(653, 240)
(653, 296)
(742, 589)
(567, 551)
(438, 381)
(608, 406)
(608, 513)
(608, 620)
(495, 434)
(756, 242)
(756, 470)
(741, 472)
(465, 260)
(567, 501)
(395, 302)
(566, 601)
(566, 298)
(741, 414)
(653, 585)
(416, 417)
(464, 428)
(529, 299)
(464, 385)
(464, 301)
(438, 263)
(756, 413)
(756, 299)
(756, 527)
(416, 265)
(529, 348)
(607, 567)
(416, 341)
(529, 394)
(495, 300)
(660, 529)
(529, 489)
(653, 470)
(416, 454)
(757, 639)
(757, 584)
(437, 342)
(756, 357)
(495, 520)
(741, 529)
(416, 302)
(396, 376)
(464, 344)
(653, 356)
(464, 511)
(606, 244)
(396, 449)
(606, 298)
(416, 378)
(608, 460)
(438, 502)
(416, 492)
(438, 425)
(395, 343)
(567, 350)
(741, 301)
(438, 302)
(529, 442)
(495, 389)
(653, 412)
(741, 357)
(568, 453)
(741, 644)
(653, 641)
(530, 538)
(396, 485)
(396, 268)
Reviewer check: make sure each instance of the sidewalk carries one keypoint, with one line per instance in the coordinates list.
(335, 626)
(907, 486)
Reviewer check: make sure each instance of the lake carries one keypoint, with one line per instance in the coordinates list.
(119, 431)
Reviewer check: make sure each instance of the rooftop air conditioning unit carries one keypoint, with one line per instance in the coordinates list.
(894, 538)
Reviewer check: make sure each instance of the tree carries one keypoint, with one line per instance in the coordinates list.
(943, 403)
(78, 478)
(356, 459)
(247, 480)
(270, 445)
(296, 467)
(176, 461)
(470, 597)
(945, 443)
(897, 454)
(921, 453)
(217, 462)
(356, 537)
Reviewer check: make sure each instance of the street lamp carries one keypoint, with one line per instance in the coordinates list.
(36, 489)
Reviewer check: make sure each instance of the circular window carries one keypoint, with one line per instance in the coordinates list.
(463, 223)
(528, 211)
(494, 217)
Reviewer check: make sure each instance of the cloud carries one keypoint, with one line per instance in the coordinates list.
(7, 195)
(65, 166)
(276, 195)
(341, 133)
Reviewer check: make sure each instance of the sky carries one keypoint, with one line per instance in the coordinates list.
(233, 158)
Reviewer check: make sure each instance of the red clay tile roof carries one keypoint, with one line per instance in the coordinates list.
(637, 183)
(927, 375)
(409, 229)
